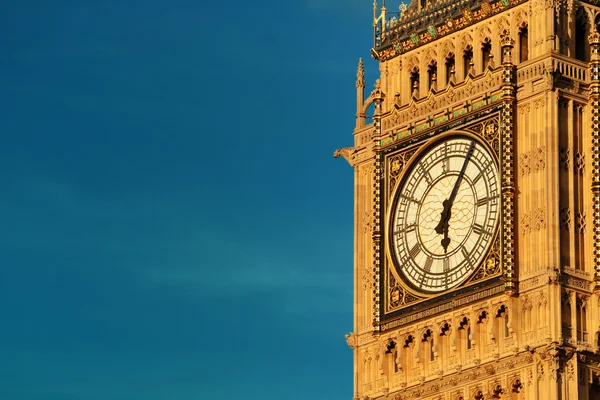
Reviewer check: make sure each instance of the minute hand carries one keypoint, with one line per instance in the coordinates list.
(442, 227)
(462, 173)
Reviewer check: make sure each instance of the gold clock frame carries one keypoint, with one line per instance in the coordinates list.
(495, 275)
(490, 257)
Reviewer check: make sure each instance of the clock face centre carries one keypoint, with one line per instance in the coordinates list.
(444, 214)
(461, 220)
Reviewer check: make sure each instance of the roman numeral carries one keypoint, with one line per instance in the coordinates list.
(466, 255)
(446, 264)
(477, 178)
(416, 249)
(425, 173)
(482, 201)
(480, 230)
(407, 229)
(445, 156)
(414, 200)
(427, 266)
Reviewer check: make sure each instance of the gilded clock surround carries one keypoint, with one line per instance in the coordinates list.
(398, 299)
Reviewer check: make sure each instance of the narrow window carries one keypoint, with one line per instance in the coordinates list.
(486, 50)
(566, 317)
(469, 343)
(524, 44)
(450, 63)
(582, 334)
(391, 351)
(431, 350)
(432, 75)
(414, 82)
(467, 60)
(580, 42)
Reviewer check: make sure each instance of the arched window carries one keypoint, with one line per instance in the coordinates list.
(482, 320)
(432, 75)
(429, 345)
(523, 44)
(486, 51)
(443, 345)
(414, 81)
(566, 316)
(391, 354)
(504, 326)
(408, 355)
(450, 64)
(467, 61)
(464, 336)
(581, 33)
(582, 334)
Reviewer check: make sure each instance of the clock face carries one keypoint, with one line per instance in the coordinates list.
(445, 214)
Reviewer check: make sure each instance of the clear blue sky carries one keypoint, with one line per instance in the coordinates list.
(173, 224)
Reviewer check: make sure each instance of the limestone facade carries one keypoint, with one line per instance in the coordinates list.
(524, 76)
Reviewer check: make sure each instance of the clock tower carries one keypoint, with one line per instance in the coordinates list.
(477, 203)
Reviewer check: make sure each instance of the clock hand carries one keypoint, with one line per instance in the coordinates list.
(443, 226)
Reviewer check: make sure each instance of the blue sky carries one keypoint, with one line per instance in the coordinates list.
(173, 223)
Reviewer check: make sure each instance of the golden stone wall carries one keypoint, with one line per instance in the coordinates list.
(538, 337)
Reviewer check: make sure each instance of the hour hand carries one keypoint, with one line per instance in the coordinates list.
(445, 218)
(442, 227)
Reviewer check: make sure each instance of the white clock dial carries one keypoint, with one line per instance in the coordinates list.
(444, 214)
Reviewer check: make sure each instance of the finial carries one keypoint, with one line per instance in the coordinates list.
(374, 12)
(594, 39)
(360, 74)
(507, 43)
(403, 9)
(472, 67)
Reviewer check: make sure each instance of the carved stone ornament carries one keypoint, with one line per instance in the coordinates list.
(580, 163)
(565, 218)
(540, 158)
(351, 340)
(525, 224)
(540, 219)
(366, 222)
(564, 158)
(524, 164)
(580, 222)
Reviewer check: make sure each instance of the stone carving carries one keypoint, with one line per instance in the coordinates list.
(524, 164)
(564, 158)
(580, 163)
(540, 219)
(491, 131)
(580, 222)
(539, 157)
(347, 153)
(351, 340)
(366, 222)
(525, 223)
(565, 218)
(540, 371)
(396, 166)
(366, 278)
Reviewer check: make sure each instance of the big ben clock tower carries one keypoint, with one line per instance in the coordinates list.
(477, 203)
